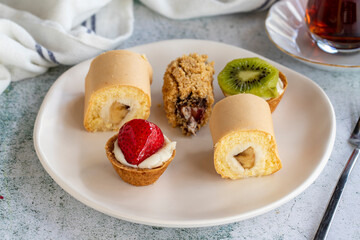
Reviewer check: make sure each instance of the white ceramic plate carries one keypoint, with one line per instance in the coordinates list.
(190, 193)
(287, 29)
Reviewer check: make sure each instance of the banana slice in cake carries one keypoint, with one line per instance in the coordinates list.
(117, 90)
(244, 143)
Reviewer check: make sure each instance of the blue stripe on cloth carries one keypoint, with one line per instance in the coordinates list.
(93, 23)
(52, 57)
(39, 50)
(84, 24)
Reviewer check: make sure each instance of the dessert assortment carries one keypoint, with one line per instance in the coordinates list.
(244, 141)
(188, 92)
(118, 98)
(117, 89)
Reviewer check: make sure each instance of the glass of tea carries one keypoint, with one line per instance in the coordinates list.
(334, 24)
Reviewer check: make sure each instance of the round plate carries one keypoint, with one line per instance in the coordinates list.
(190, 193)
(287, 29)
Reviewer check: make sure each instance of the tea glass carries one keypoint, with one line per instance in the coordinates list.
(334, 24)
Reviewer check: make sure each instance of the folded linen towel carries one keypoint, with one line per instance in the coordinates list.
(38, 34)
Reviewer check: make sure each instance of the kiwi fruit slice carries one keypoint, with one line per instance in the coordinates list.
(249, 75)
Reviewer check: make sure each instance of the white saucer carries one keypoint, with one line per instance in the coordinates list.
(287, 29)
(190, 193)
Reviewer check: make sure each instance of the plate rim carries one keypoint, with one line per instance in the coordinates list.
(306, 60)
(177, 223)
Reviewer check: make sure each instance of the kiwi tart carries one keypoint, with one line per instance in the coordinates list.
(254, 76)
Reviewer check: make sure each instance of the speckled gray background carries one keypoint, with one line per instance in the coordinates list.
(35, 207)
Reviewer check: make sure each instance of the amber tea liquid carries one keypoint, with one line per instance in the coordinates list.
(335, 24)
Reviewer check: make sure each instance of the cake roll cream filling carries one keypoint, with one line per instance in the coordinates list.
(155, 160)
(119, 111)
(237, 167)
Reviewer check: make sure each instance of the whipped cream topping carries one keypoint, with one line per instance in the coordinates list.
(155, 160)
(279, 88)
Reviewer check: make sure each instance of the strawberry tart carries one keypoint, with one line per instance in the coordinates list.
(140, 152)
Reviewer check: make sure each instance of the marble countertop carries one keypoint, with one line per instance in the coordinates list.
(33, 206)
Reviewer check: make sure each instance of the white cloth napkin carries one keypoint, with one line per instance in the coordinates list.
(38, 34)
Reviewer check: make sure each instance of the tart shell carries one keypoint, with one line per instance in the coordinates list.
(273, 102)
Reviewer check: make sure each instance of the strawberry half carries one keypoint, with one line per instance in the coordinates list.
(138, 139)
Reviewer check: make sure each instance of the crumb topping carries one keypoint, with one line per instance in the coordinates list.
(188, 92)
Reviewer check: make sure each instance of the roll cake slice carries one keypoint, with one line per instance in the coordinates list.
(244, 143)
(117, 89)
(188, 92)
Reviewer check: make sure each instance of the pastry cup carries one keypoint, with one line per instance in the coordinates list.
(273, 102)
(135, 176)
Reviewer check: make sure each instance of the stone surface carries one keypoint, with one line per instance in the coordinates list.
(33, 206)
